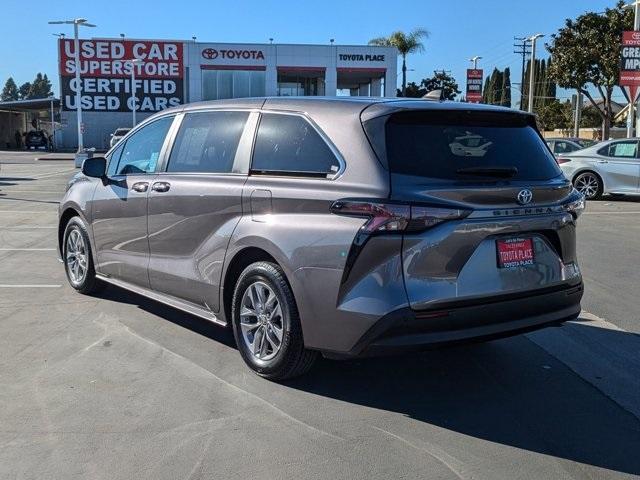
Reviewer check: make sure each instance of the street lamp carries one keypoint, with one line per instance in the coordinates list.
(532, 70)
(133, 62)
(76, 55)
(475, 59)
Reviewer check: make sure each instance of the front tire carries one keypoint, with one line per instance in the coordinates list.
(76, 255)
(589, 184)
(266, 324)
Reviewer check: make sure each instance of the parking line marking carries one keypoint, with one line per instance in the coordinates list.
(27, 249)
(27, 227)
(28, 211)
(6, 285)
(10, 190)
(47, 175)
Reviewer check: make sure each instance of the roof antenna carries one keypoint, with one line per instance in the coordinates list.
(436, 95)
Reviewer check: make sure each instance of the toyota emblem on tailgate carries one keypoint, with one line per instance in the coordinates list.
(524, 196)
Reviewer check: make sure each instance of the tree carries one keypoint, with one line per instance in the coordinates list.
(442, 81)
(413, 90)
(586, 52)
(406, 43)
(544, 90)
(10, 91)
(505, 97)
(40, 87)
(24, 90)
(555, 115)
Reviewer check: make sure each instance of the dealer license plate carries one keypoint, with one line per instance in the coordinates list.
(514, 252)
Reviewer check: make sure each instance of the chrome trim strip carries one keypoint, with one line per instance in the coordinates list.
(165, 299)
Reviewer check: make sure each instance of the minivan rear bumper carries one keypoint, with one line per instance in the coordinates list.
(459, 322)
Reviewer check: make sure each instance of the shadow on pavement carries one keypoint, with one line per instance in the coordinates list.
(507, 391)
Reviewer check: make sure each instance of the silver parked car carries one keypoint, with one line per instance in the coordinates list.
(344, 227)
(608, 167)
(118, 135)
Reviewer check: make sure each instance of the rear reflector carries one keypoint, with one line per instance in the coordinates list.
(396, 217)
(561, 160)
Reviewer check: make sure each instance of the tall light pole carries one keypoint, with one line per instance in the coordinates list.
(475, 59)
(133, 62)
(532, 69)
(76, 55)
(632, 101)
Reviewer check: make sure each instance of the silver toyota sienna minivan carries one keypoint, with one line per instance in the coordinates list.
(332, 226)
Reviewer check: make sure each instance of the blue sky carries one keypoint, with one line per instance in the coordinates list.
(458, 29)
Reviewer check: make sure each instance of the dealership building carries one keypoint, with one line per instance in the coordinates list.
(168, 73)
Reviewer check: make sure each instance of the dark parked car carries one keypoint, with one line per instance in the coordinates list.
(36, 139)
(345, 227)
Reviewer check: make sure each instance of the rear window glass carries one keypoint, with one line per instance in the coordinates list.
(448, 145)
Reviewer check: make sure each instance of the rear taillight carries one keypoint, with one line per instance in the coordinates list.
(561, 160)
(396, 217)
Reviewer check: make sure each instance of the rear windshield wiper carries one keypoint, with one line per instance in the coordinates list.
(497, 172)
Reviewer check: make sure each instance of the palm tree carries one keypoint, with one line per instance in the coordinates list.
(406, 43)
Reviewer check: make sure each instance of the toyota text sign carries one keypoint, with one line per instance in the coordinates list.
(474, 85)
(105, 75)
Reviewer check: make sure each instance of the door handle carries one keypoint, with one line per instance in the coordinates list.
(140, 187)
(161, 187)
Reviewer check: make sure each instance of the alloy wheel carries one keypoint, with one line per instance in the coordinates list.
(261, 321)
(76, 256)
(587, 184)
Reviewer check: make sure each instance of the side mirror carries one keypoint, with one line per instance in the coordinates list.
(111, 134)
(95, 167)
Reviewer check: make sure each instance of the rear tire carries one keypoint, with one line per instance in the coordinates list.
(77, 257)
(589, 184)
(266, 324)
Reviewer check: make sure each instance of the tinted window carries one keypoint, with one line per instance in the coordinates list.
(207, 142)
(441, 145)
(142, 149)
(289, 144)
(628, 149)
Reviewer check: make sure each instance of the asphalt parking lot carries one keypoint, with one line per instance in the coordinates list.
(118, 387)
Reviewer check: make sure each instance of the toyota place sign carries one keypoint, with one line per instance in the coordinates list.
(630, 62)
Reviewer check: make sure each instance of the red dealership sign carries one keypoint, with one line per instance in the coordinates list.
(105, 74)
(630, 62)
(474, 85)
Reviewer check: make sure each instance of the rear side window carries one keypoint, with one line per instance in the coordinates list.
(289, 145)
(627, 149)
(448, 145)
(207, 142)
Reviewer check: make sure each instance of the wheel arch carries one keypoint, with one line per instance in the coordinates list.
(240, 260)
(590, 170)
(67, 214)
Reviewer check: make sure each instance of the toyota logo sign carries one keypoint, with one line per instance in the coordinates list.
(209, 53)
(525, 196)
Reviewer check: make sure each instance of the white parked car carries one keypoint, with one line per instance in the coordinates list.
(608, 167)
(117, 135)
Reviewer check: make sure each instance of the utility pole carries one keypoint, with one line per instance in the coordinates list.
(577, 113)
(523, 49)
(532, 70)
